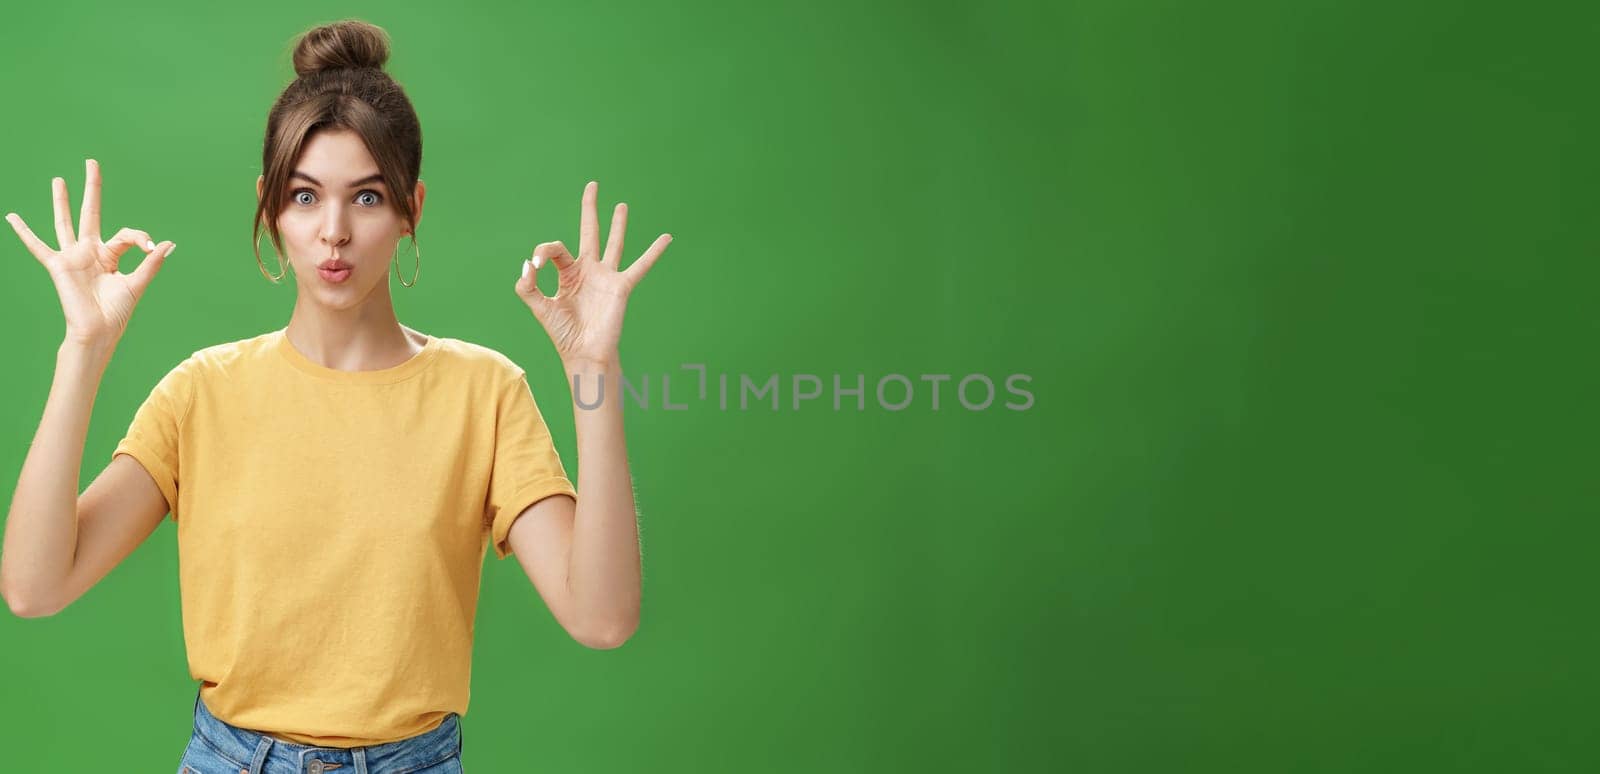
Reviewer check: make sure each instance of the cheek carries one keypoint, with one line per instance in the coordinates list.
(295, 227)
(301, 227)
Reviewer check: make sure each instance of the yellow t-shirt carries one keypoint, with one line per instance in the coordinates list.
(332, 527)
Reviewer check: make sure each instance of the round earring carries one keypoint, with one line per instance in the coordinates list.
(263, 267)
(418, 252)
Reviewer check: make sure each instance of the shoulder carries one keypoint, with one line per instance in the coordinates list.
(175, 390)
(220, 360)
(470, 361)
(478, 361)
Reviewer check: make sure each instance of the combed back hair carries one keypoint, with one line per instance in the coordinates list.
(340, 84)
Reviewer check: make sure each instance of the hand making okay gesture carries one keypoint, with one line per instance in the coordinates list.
(96, 299)
(584, 317)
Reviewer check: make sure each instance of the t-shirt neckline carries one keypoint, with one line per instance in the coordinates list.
(390, 375)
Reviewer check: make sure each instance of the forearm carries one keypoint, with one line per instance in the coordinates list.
(41, 533)
(604, 572)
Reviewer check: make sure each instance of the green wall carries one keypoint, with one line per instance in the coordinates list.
(1304, 482)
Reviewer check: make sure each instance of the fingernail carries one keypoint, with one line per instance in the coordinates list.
(524, 269)
(149, 244)
(538, 260)
(173, 247)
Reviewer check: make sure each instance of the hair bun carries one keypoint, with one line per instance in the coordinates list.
(347, 44)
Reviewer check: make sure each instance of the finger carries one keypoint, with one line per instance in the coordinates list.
(126, 238)
(588, 224)
(642, 266)
(89, 219)
(619, 224)
(58, 194)
(39, 249)
(152, 263)
(528, 289)
(554, 252)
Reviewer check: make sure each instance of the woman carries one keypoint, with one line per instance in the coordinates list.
(335, 483)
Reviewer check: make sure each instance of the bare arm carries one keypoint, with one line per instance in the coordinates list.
(42, 525)
(604, 570)
(58, 544)
(590, 557)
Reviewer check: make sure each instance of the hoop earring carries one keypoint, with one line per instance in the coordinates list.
(263, 267)
(418, 252)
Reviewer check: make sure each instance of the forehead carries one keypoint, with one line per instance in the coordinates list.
(336, 156)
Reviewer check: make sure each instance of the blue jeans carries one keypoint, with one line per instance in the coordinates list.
(218, 748)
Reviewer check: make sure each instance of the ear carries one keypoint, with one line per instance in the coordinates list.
(416, 200)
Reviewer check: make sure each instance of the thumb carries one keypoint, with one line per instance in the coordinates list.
(140, 279)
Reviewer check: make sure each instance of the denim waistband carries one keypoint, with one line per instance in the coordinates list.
(258, 750)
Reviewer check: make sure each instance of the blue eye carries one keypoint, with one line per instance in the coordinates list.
(377, 198)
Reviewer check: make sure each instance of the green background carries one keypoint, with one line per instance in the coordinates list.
(1305, 485)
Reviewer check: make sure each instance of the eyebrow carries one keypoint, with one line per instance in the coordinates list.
(373, 178)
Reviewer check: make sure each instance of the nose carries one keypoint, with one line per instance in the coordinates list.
(335, 229)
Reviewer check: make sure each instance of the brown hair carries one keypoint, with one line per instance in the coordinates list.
(341, 84)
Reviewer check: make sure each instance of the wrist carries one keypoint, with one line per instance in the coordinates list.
(591, 364)
(86, 349)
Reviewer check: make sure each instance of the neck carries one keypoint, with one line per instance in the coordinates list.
(366, 337)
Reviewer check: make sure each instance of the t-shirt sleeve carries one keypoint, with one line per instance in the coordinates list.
(152, 436)
(527, 467)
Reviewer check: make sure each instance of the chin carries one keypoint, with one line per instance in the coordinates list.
(339, 299)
